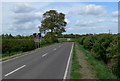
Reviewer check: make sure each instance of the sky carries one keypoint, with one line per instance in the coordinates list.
(82, 17)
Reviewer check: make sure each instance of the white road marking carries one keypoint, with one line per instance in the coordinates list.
(14, 58)
(68, 63)
(15, 70)
(54, 49)
(44, 54)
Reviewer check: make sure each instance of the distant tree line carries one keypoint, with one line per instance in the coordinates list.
(69, 36)
(10, 36)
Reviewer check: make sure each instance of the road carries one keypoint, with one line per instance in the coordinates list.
(51, 62)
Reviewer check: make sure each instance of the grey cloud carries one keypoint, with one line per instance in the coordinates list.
(23, 8)
(26, 18)
(24, 26)
(116, 13)
(26, 21)
(114, 20)
(90, 22)
(85, 23)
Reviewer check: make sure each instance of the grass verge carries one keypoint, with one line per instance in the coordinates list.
(102, 72)
(75, 68)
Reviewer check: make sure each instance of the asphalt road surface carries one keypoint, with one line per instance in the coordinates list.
(48, 63)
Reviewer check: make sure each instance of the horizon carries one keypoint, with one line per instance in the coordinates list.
(68, 34)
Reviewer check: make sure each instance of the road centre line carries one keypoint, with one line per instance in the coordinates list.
(44, 54)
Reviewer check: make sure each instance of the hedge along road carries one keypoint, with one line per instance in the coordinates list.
(48, 63)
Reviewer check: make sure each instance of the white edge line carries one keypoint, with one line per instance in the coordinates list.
(68, 63)
(15, 58)
(15, 70)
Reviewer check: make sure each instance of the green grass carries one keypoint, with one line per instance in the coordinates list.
(102, 72)
(75, 68)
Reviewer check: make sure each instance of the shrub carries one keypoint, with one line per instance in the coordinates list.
(17, 45)
(104, 47)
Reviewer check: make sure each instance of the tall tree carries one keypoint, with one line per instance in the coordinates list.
(53, 22)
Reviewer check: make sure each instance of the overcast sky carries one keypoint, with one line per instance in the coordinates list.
(82, 17)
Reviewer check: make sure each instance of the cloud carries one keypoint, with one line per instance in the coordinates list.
(89, 9)
(84, 23)
(24, 26)
(116, 13)
(22, 8)
(39, 14)
(101, 20)
(30, 17)
(91, 22)
(115, 20)
(94, 9)
(26, 21)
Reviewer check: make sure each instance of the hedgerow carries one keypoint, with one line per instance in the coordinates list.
(17, 45)
(103, 47)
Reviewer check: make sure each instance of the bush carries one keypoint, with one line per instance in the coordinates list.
(51, 38)
(89, 42)
(104, 47)
(17, 45)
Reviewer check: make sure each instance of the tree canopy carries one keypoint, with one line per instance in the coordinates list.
(53, 22)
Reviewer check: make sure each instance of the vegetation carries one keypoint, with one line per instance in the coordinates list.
(52, 25)
(12, 45)
(75, 69)
(100, 68)
(104, 48)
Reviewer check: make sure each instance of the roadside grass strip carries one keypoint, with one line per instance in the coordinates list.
(102, 72)
(75, 68)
